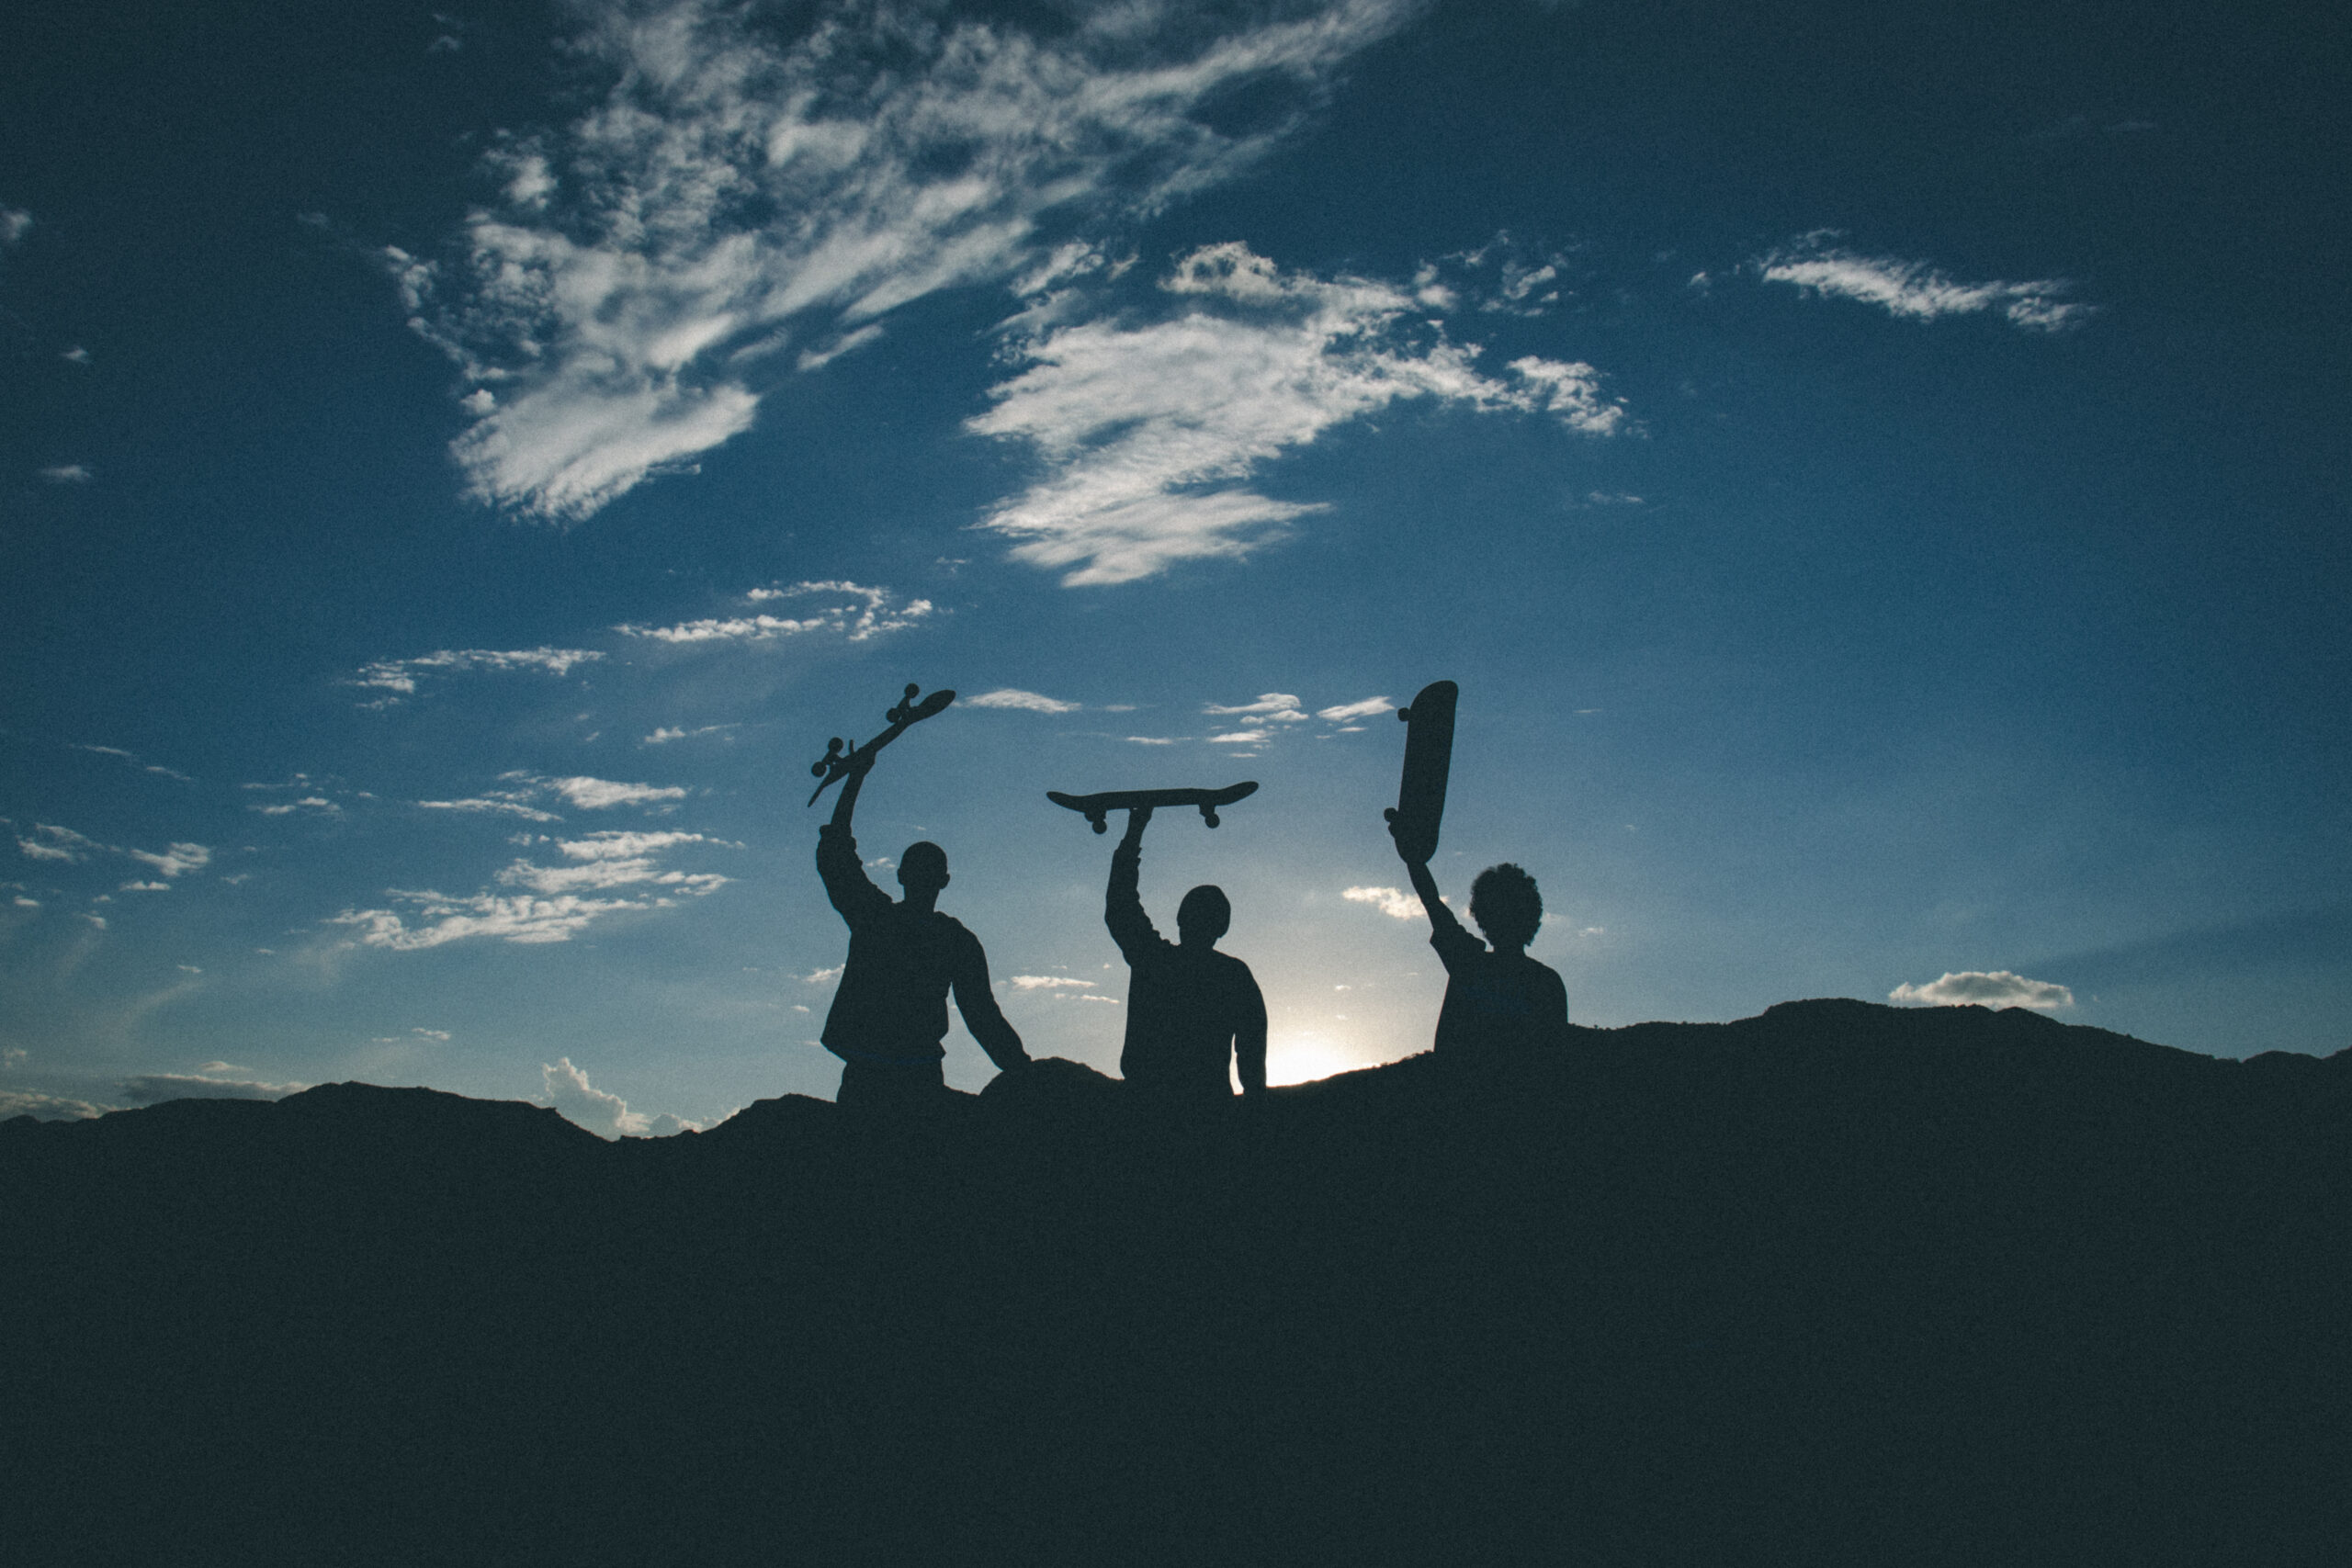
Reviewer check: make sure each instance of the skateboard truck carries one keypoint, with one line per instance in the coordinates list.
(835, 765)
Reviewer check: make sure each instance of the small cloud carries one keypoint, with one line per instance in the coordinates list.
(1150, 740)
(430, 1033)
(824, 976)
(598, 795)
(1994, 988)
(14, 226)
(606, 1115)
(178, 858)
(1242, 738)
(68, 474)
(1278, 705)
(1914, 290)
(97, 921)
(400, 675)
(617, 844)
(77, 355)
(144, 887)
(317, 803)
(1364, 709)
(1026, 702)
(667, 733)
(1396, 903)
(498, 804)
(24, 903)
(857, 614)
(1047, 983)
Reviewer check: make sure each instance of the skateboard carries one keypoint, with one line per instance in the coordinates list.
(1428, 754)
(834, 765)
(1095, 808)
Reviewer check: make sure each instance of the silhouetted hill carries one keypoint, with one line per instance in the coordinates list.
(1841, 1283)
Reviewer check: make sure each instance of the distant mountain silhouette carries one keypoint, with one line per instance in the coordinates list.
(1838, 1284)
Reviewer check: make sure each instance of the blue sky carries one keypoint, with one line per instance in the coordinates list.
(1877, 474)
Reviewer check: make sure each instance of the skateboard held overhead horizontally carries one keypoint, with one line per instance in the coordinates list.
(835, 765)
(1429, 755)
(1095, 808)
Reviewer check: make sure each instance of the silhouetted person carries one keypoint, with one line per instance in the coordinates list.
(1499, 1003)
(889, 1013)
(1190, 1010)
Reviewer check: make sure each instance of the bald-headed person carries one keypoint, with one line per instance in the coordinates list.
(889, 1022)
(1190, 1010)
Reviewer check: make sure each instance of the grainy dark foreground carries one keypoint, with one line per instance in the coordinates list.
(1839, 1284)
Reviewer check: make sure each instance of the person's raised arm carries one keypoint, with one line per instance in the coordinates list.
(982, 1016)
(1441, 918)
(1249, 1043)
(1122, 900)
(847, 884)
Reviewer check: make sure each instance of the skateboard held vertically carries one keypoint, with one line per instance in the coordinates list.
(835, 765)
(1095, 808)
(1429, 755)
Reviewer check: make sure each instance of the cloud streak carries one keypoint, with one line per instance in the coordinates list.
(399, 675)
(750, 182)
(857, 613)
(1915, 290)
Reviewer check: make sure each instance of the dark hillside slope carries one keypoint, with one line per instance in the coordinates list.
(1841, 1283)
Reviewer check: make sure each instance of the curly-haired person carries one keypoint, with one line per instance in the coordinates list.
(1499, 1003)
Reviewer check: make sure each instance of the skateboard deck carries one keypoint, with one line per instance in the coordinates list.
(834, 765)
(1428, 756)
(1095, 808)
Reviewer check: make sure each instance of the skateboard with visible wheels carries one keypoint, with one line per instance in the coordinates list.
(1429, 755)
(1095, 808)
(834, 765)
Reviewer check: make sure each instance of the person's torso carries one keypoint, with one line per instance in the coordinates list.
(1183, 1010)
(892, 999)
(1502, 1000)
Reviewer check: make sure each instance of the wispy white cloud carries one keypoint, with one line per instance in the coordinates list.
(137, 761)
(319, 803)
(752, 180)
(68, 474)
(1150, 740)
(1394, 902)
(399, 675)
(144, 887)
(600, 794)
(1242, 738)
(1047, 983)
(501, 805)
(1271, 705)
(667, 733)
(442, 919)
(856, 613)
(596, 875)
(607, 1115)
(554, 901)
(1364, 709)
(15, 224)
(175, 859)
(621, 844)
(1150, 431)
(1992, 989)
(1027, 702)
(1916, 290)
(52, 842)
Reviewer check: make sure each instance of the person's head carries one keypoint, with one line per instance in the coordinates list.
(923, 869)
(1203, 916)
(1504, 902)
